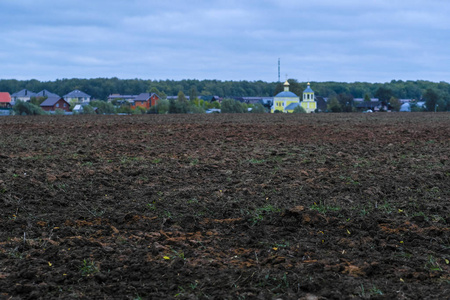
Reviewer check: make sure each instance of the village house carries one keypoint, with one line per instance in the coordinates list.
(374, 104)
(176, 97)
(54, 103)
(120, 98)
(5, 100)
(23, 95)
(145, 100)
(77, 96)
(254, 100)
(408, 106)
(209, 98)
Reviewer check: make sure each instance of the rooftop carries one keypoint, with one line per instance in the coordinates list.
(308, 89)
(286, 94)
(24, 93)
(143, 96)
(45, 93)
(50, 101)
(76, 94)
(5, 98)
(291, 106)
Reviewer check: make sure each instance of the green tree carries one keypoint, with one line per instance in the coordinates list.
(181, 97)
(172, 106)
(193, 94)
(367, 98)
(299, 110)
(27, 108)
(37, 100)
(125, 108)
(180, 105)
(258, 108)
(177, 107)
(139, 111)
(431, 99)
(346, 102)
(160, 94)
(333, 105)
(103, 107)
(415, 107)
(441, 105)
(231, 106)
(88, 110)
(195, 109)
(384, 94)
(395, 103)
(213, 104)
(163, 106)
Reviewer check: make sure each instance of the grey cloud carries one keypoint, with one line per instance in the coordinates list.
(348, 40)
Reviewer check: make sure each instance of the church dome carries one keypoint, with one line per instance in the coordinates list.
(308, 89)
(286, 94)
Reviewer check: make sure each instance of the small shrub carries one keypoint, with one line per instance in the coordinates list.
(258, 108)
(60, 112)
(27, 108)
(88, 268)
(88, 110)
(232, 106)
(299, 110)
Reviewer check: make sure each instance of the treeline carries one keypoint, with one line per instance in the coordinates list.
(101, 88)
(399, 89)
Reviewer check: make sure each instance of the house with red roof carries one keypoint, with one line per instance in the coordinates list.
(5, 100)
(145, 100)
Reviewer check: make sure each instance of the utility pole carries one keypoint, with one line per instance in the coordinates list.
(278, 69)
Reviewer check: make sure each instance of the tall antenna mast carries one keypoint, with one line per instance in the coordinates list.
(278, 69)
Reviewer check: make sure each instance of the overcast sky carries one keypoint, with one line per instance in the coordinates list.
(316, 40)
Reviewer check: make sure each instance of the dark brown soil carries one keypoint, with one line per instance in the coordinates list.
(326, 206)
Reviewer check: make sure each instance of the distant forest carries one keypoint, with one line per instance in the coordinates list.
(101, 88)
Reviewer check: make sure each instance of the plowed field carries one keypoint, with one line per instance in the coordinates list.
(245, 206)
